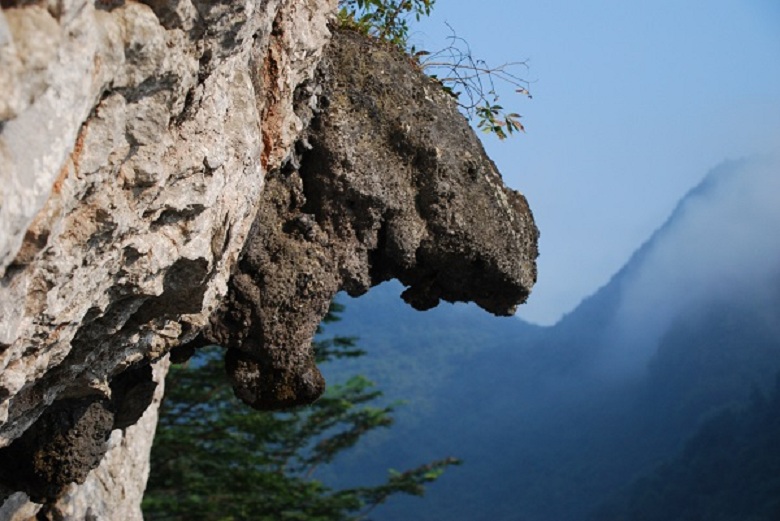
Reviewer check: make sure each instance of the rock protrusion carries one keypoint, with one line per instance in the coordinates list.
(61, 447)
(389, 182)
(134, 142)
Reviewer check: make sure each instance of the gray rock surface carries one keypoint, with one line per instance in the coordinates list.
(390, 182)
(114, 489)
(134, 140)
(173, 172)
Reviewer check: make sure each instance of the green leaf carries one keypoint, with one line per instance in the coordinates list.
(213, 458)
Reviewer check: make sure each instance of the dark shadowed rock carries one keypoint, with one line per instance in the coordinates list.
(163, 216)
(134, 140)
(61, 447)
(390, 181)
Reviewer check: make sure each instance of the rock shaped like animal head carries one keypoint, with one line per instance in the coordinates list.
(389, 182)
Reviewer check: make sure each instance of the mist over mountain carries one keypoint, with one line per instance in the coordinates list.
(553, 421)
(722, 242)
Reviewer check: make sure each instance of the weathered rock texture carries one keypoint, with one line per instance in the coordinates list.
(113, 490)
(134, 139)
(174, 173)
(389, 182)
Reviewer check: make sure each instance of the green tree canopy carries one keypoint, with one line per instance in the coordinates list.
(216, 459)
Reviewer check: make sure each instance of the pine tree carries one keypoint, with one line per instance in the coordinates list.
(216, 459)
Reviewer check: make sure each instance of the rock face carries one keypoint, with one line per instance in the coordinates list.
(134, 140)
(114, 489)
(389, 182)
(175, 173)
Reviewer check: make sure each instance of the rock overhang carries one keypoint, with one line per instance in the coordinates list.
(388, 182)
(145, 241)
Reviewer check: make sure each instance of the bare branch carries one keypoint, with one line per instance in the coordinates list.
(472, 81)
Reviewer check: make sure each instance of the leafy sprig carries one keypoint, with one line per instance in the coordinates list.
(471, 81)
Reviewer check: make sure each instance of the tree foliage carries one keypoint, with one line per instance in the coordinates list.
(471, 81)
(215, 459)
(386, 20)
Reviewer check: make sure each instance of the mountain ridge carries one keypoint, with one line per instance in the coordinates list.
(535, 409)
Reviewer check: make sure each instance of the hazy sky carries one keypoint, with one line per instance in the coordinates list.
(633, 102)
(723, 245)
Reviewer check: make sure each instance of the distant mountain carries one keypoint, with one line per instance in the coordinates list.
(552, 421)
(730, 469)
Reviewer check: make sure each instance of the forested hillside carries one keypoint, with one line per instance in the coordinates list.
(552, 423)
(730, 469)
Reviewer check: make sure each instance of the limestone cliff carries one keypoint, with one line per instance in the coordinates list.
(175, 173)
(389, 181)
(134, 142)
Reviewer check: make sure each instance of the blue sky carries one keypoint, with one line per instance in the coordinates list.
(633, 102)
